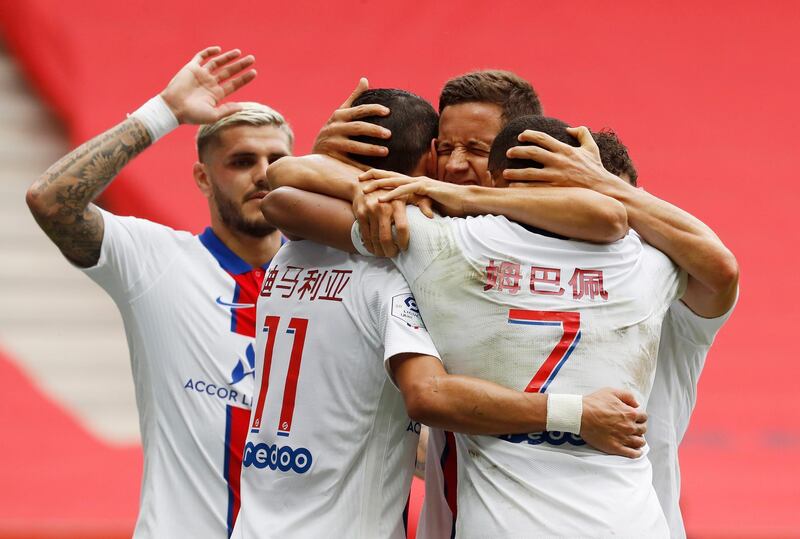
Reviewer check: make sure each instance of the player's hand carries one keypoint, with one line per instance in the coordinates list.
(195, 92)
(334, 138)
(375, 220)
(612, 423)
(450, 198)
(563, 165)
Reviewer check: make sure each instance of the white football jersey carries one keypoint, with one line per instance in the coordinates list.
(330, 451)
(188, 305)
(685, 341)
(536, 313)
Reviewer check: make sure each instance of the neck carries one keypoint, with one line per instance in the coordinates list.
(255, 251)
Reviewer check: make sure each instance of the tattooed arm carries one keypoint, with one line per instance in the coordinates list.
(61, 200)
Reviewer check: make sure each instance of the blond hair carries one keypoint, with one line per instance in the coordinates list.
(252, 113)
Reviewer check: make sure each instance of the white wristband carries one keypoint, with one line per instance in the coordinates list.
(564, 413)
(157, 118)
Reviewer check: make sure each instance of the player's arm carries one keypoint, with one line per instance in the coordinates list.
(574, 213)
(61, 199)
(325, 175)
(713, 270)
(320, 174)
(304, 215)
(609, 420)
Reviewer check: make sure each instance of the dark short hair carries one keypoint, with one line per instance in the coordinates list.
(507, 138)
(412, 121)
(511, 92)
(615, 155)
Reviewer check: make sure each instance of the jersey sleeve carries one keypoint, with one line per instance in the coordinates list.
(428, 238)
(695, 328)
(397, 319)
(133, 254)
(666, 280)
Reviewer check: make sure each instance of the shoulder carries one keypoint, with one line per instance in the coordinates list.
(136, 226)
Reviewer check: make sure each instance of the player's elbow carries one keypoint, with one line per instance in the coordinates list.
(35, 197)
(423, 402)
(612, 220)
(284, 171)
(278, 207)
(726, 273)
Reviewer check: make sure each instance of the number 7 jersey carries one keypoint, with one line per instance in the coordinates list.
(330, 450)
(536, 313)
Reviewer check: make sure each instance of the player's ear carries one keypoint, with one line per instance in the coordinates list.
(487, 180)
(201, 179)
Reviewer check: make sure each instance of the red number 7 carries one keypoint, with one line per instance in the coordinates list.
(570, 322)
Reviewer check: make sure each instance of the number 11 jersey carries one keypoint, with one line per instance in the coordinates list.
(330, 450)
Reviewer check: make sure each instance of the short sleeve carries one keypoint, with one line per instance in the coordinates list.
(399, 323)
(666, 280)
(427, 239)
(133, 254)
(695, 328)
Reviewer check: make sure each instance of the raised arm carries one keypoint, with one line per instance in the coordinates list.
(61, 199)
(712, 268)
(607, 419)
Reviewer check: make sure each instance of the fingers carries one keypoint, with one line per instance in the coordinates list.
(533, 153)
(385, 233)
(386, 183)
(629, 452)
(361, 111)
(641, 417)
(375, 235)
(361, 87)
(626, 397)
(231, 85)
(344, 145)
(219, 61)
(399, 192)
(400, 224)
(227, 109)
(354, 128)
(635, 442)
(544, 140)
(208, 52)
(528, 175)
(425, 205)
(585, 138)
(235, 68)
(376, 174)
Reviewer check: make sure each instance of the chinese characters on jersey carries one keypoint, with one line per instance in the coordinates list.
(305, 284)
(510, 277)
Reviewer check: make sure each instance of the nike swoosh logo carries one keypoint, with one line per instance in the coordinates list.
(235, 305)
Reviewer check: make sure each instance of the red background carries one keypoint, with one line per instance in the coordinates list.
(703, 93)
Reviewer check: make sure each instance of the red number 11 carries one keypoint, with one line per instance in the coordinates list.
(297, 327)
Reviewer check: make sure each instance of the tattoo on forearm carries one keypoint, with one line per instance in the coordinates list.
(69, 186)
